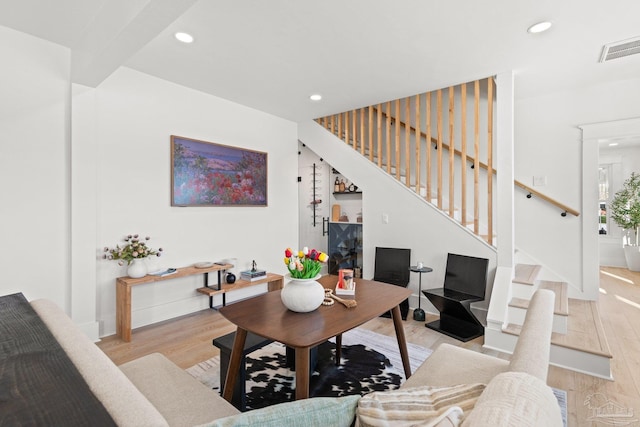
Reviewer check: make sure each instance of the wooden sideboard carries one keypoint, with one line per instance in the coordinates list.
(124, 285)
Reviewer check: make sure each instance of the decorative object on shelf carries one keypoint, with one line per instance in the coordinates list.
(209, 174)
(253, 274)
(153, 266)
(335, 213)
(165, 273)
(343, 187)
(203, 264)
(344, 217)
(302, 295)
(137, 268)
(336, 185)
(133, 253)
(230, 278)
(625, 211)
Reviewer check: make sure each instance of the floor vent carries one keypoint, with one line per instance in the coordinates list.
(620, 49)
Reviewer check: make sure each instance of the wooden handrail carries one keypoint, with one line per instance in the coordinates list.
(471, 160)
(554, 202)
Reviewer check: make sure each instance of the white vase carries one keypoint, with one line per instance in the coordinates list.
(302, 295)
(632, 256)
(152, 264)
(137, 268)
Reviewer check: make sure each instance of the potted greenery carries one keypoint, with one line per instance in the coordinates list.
(625, 211)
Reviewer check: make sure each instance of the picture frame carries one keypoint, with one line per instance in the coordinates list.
(210, 174)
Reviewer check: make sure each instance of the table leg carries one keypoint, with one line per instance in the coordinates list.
(402, 342)
(302, 373)
(338, 349)
(234, 364)
(123, 311)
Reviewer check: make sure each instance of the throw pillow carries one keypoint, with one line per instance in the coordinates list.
(418, 406)
(516, 399)
(315, 412)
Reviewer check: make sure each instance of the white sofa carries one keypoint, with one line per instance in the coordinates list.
(516, 392)
(152, 391)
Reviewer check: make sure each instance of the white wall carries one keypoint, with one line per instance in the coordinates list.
(82, 170)
(34, 168)
(548, 143)
(136, 114)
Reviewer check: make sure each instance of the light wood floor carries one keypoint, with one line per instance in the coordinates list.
(188, 340)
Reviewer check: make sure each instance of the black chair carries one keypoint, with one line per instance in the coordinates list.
(392, 266)
(465, 282)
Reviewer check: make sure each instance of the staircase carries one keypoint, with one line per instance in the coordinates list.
(578, 341)
(453, 174)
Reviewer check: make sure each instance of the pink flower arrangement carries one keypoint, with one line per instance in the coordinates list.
(134, 248)
(304, 264)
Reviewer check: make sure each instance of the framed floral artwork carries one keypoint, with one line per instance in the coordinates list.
(210, 174)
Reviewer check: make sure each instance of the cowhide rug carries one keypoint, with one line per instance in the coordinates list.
(361, 370)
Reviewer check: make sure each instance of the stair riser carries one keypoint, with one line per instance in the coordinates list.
(516, 315)
(520, 290)
(578, 361)
(573, 360)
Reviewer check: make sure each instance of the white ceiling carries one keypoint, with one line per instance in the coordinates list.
(271, 55)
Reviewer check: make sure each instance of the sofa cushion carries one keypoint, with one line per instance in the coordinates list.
(450, 365)
(420, 405)
(516, 399)
(180, 398)
(315, 412)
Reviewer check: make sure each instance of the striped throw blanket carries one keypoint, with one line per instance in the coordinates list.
(419, 406)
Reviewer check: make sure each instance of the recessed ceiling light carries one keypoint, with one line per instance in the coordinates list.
(539, 27)
(315, 97)
(184, 37)
(613, 144)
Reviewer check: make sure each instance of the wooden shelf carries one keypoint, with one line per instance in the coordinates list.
(181, 272)
(124, 285)
(275, 281)
(342, 193)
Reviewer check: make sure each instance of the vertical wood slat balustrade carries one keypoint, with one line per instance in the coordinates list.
(368, 130)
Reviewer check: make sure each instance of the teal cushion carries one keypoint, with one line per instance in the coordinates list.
(315, 412)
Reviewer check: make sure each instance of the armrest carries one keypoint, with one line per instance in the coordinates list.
(450, 365)
(531, 354)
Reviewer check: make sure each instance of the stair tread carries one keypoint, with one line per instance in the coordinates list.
(585, 331)
(524, 304)
(561, 291)
(526, 273)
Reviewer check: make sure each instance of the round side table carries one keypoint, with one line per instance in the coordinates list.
(418, 313)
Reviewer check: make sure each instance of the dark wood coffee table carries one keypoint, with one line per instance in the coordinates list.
(265, 315)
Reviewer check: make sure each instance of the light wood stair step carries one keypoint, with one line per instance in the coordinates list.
(562, 296)
(526, 273)
(561, 307)
(585, 331)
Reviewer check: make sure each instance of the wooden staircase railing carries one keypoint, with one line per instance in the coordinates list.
(408, 155)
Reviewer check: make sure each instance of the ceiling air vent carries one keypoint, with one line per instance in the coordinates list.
(620, 49)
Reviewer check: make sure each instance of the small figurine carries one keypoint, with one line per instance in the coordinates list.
(254, 266)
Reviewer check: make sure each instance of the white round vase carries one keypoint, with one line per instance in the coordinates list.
(302, 295)
(137, 268)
